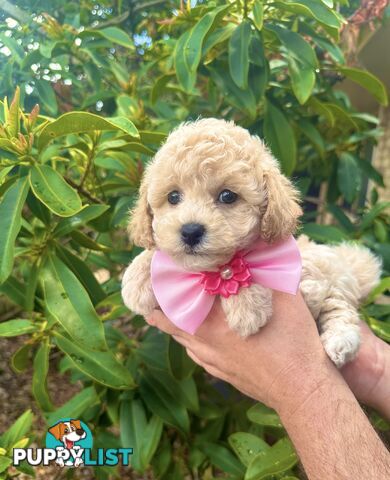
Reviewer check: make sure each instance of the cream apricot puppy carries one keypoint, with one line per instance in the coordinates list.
(212, 190)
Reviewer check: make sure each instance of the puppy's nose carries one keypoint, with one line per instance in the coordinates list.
(192, 233)
(79, 431)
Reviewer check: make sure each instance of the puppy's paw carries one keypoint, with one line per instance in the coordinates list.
(249, 310)
(139, 299)
(248, 323)
(341, 343)
(137, 290)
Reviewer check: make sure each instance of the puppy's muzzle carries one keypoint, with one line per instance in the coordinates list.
(80, 432)
(192, 233)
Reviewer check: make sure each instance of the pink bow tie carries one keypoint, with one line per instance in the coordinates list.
(186, 297)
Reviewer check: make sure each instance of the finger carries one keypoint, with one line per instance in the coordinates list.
(194, 357)
(183, 341)
(159, 320)
(215, 372)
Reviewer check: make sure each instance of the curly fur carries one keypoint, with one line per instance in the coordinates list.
(200, 159)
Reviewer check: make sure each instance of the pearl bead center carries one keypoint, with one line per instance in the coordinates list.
(226, 273)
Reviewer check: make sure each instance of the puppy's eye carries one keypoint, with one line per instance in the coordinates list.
(66, 430)
(174, 197)
(227, 196)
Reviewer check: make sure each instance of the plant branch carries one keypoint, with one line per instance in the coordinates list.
(82, 191)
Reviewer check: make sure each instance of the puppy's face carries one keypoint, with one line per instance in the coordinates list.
(68, 432)
(206, 195)
(205, 209)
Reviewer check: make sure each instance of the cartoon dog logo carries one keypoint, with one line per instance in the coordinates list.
(68, 433)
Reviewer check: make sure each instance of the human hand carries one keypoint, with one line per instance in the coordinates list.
(280, 365)
(368, 375)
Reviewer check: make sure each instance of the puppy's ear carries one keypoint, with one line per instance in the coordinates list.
(55, 430)
(76, 423)
(140, 227)
(282, 211)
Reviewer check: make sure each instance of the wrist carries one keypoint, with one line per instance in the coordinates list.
(379, 397)
(295, 385)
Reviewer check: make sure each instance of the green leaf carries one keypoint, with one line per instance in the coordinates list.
(333, 50)
(348, 176)
(12, 115)
(69, 304)
(112, 34)
(258, 14)
(10, 221)
(381, 329)
(84, 216)
(139, 434)
(76, 406)
(180, 363)
(17, 50)
(368, 81)
(5, 462)
(159, 87)
(32, 286)
(46, 49)
(311, 132)
(324, 233)
(218, 36)
(189, 46)
(194, 44)
(370, 171)
(301, 59)
(39, 379)
(280, 137)
(13, 328)
(383, 286)
(239, 54)
(185, 76)
(274, 461)
(369, 217)
(46, 95)
(244, 100)
(152, 436)
(88, 242)
(53, 191)
(20, 360)
(102, 367)
(84, 274)
(341, 217)
(222, 458)
(39, 209)
(322, 109)
(19, 429)
(4, 172)
(132, 428)
(78, 122)
(246, 446)
(315, 9)
(264, 415)
(161, 400)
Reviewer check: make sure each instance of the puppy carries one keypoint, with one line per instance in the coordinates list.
(68, 433)
(212, 190)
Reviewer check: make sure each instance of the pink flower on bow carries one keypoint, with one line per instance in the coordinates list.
(229, 279)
